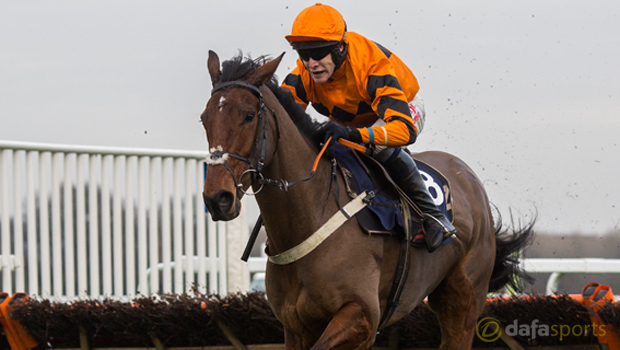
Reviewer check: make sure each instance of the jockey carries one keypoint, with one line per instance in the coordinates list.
(371, 97)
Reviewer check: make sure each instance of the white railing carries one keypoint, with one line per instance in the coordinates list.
(556, 267)
(559, 267)
(99, 221)
(92, 221)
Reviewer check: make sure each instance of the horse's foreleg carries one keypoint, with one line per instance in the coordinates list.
(291, 340)
(455, 304)
(351, 328)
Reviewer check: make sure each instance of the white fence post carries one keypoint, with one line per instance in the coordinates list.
(20, 283)
(5, 225)
(236, 238)
(57, 246)
(70, 161)
(44, 234)
(201, 237)
(80, 208)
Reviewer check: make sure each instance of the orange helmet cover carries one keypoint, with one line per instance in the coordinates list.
(318, 23)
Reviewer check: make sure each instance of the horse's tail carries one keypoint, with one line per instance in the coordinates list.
(506, 271)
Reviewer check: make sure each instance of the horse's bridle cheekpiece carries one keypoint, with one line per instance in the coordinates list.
(219, 156)
(256, 159)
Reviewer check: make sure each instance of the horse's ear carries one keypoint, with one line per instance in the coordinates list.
(213, 64)
(266, 71)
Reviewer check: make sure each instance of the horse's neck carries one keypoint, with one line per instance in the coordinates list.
(291, 216)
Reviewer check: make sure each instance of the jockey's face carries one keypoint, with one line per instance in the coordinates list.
(322, 69)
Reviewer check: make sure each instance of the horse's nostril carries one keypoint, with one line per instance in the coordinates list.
(225, 201)
(221, 205)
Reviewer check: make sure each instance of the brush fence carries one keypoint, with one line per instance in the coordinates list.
(282, 347)
(242, 321)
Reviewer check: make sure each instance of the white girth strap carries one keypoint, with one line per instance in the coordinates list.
(305, 247)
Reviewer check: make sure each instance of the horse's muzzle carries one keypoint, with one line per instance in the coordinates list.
(222, 206)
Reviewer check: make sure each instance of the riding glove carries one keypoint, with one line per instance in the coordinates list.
(338, 132)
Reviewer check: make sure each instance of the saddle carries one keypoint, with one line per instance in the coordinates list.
(389, 212)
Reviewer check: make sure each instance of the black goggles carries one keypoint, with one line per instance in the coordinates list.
(316, 54)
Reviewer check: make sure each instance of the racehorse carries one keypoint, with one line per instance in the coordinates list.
(334, 296)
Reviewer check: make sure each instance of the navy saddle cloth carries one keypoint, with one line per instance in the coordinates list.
(383, 215)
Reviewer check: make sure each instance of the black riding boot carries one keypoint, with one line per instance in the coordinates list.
(405, 173)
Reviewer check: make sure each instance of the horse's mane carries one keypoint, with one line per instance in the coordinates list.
(240, 67)
(308, 127)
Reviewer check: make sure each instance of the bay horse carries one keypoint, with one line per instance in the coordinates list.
(334, 296)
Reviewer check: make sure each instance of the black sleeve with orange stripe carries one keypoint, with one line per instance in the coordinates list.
(295, 85)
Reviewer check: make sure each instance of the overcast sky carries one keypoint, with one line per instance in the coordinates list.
(526, 92)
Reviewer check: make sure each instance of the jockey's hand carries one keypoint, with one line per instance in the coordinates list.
(331, 129)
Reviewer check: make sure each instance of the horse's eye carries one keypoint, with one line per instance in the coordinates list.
(249, 117)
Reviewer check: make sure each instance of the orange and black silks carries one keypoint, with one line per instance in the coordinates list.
(371, 83)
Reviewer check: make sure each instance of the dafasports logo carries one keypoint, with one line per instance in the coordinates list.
(490, 329)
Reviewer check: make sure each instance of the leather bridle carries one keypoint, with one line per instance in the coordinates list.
(256, 159)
